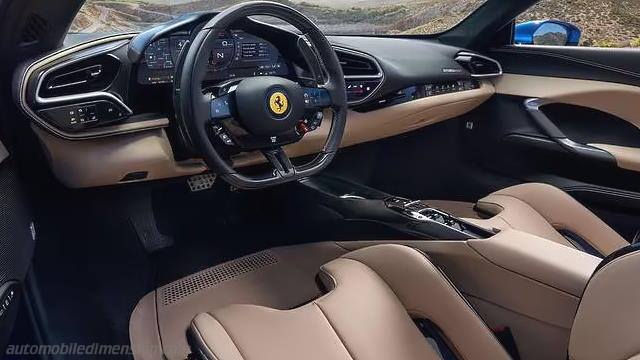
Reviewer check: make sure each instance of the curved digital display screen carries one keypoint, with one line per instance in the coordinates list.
(164, 53)
(235, 54)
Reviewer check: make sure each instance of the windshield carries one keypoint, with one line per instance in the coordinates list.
(332, 16)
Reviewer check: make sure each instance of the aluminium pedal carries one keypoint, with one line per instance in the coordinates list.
(201, 182)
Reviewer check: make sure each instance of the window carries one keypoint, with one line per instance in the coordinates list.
(601, 23)
(333, 16)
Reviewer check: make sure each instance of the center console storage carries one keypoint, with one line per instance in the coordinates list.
(357, 202)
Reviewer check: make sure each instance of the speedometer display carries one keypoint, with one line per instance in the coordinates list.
(223, 53)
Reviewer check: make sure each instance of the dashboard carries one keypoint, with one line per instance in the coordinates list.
(103, 107)
(236, 54)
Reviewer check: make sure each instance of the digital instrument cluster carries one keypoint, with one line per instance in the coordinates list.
(235, 54)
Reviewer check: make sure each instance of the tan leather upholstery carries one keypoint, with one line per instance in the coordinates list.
(550, 263)
(364, 316)
(542, 210)
(626, 157)
(279, 278)
(530, 284)
(608, 318)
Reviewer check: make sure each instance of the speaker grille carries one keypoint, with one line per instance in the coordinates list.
(213, 276)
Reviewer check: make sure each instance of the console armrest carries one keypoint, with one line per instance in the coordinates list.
(548, 262)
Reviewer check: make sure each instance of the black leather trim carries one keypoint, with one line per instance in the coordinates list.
(617, 254)
(611, 65)
(580, 243)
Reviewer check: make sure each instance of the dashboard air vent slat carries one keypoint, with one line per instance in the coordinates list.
(478, 65)
(92, 74)
(357, 65)
(75, 77)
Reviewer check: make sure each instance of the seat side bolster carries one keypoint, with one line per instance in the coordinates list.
(425, 292)
(564, 212)
(606, 324)
(212, 339)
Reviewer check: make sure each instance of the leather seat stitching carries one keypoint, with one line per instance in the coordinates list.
(315, 303)
(342, 342)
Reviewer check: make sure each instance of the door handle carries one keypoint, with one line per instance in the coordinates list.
(554, 133)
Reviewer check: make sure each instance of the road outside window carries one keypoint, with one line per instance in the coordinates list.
(333, 16)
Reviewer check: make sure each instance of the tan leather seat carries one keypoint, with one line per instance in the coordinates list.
(367, 314)
(545, 211)
(377, 291)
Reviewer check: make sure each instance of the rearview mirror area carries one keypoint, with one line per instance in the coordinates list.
(547, 32)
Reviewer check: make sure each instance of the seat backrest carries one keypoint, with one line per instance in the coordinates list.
(607, 324)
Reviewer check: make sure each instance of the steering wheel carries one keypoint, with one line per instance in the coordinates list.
(267, 110)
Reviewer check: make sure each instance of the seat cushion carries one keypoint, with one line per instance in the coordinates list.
(367, 314)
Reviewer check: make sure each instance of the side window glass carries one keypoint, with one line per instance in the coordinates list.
(587, 23)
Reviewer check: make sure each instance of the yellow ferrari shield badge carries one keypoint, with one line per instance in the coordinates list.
(278, 103)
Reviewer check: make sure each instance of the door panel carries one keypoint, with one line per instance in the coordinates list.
(617, 99)
(569, 117)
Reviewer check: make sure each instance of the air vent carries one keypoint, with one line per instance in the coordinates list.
(34, 30)
(479, 66)
(362, 73)
(88, 75)
(357, 64)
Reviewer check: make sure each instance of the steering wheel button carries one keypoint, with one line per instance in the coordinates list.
(220, 108)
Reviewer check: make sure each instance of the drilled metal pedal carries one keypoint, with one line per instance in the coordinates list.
(201, 182)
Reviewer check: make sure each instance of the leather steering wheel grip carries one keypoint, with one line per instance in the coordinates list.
(193, 108)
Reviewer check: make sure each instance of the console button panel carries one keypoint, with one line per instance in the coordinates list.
(421, 212)
(358, 90)
(85, 115)
(420, 91)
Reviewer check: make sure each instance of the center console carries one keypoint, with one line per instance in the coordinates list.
(524, 285)
(414, 218)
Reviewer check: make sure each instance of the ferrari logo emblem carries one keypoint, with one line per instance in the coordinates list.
(278, 103)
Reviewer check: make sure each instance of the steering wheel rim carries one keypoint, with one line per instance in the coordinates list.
(194, 107)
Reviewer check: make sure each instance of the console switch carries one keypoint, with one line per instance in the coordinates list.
(79, 116)
(419, 211)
